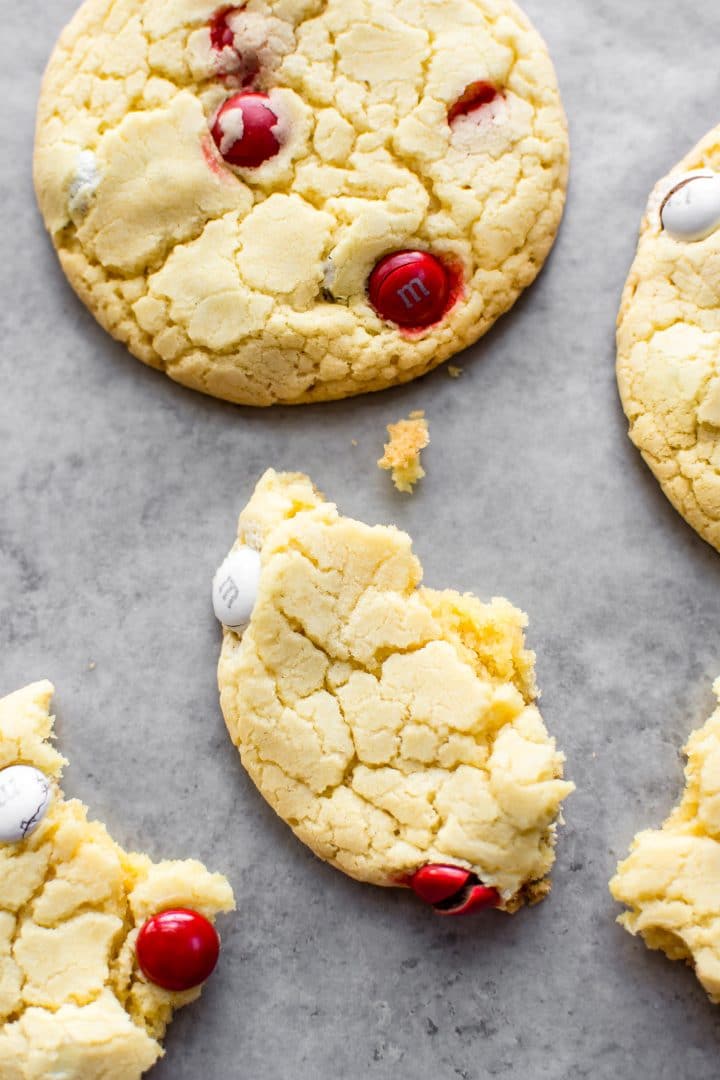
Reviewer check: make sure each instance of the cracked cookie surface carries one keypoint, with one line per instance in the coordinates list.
(391, 726)
(251, 283)
(671, 880)
(668, 364)
(73, 1003)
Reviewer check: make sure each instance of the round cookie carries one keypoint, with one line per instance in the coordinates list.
(394, 728)
(300, 200)
(668, 364)
(80, 999)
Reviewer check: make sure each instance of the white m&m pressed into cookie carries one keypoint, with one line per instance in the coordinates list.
(235, 587)
(25, 795)
(690, 210)
(295, 200)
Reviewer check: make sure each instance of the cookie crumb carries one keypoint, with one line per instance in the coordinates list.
(402, 453)
(92, 665)
(454, 371)
(354, 442)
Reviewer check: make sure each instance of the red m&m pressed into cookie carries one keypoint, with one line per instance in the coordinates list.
(450, 890)
(475, 96)
(411, 288)
(177, 949)
(221, 34)
(246, 130)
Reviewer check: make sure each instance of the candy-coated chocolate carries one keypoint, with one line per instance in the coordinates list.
(691, 208)
(410, 288)
(177, 949)
(221, 35)
(235, 587)
(474, 898)
(451, 890)
(25, 796)
(245, 130)
(435, 883)
(475, 96)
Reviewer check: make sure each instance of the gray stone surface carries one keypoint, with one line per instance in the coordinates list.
(119, 496)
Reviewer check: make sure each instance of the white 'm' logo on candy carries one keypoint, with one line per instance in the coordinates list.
(229, 591)
(413, 292)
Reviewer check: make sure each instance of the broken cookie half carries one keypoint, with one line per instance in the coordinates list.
(671, 880)
(98, 947)
(393, 727)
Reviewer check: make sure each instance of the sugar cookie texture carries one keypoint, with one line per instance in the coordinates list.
(669, 356)
(408, 438)
(391, 726)
(671, 880)
(73, 1005)
(250, 284)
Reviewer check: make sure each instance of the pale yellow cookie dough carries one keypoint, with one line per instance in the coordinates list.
(391, 726)
(408, 438)
(668, 363)
(73, 1004)
(251, 284)
(671, 880)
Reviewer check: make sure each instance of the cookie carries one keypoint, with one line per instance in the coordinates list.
(98, 947)
(408, 438)
(394, 728)
(297, 200)
(669, 336)
(671, 880)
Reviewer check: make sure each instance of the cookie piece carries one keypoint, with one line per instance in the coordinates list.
(402, 454)
(297, 200)
(394, 728)
(671, 880)
(669, 338)
(73, 1000)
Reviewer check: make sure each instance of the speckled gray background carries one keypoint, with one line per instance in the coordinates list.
(119, 496)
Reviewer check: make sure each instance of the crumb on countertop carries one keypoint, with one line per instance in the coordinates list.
(402, 453)
(454, 371)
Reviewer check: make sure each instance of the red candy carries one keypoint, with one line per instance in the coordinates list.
(221, 36)
(243, 130)
(473, 97)
(177, 949)
(451, 890)
(436, 883)
(410, 288)
(476, 898)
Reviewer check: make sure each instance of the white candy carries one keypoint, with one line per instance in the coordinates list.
(691, 210)
(25, 795)
(235, 588)
(84, 184)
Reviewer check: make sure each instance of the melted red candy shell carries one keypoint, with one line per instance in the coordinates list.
(473, 97)
(243, 130)
(435, 883)
(177, 949)
(221, 36)
(410, 288)
(451, 890)
(476, 898)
